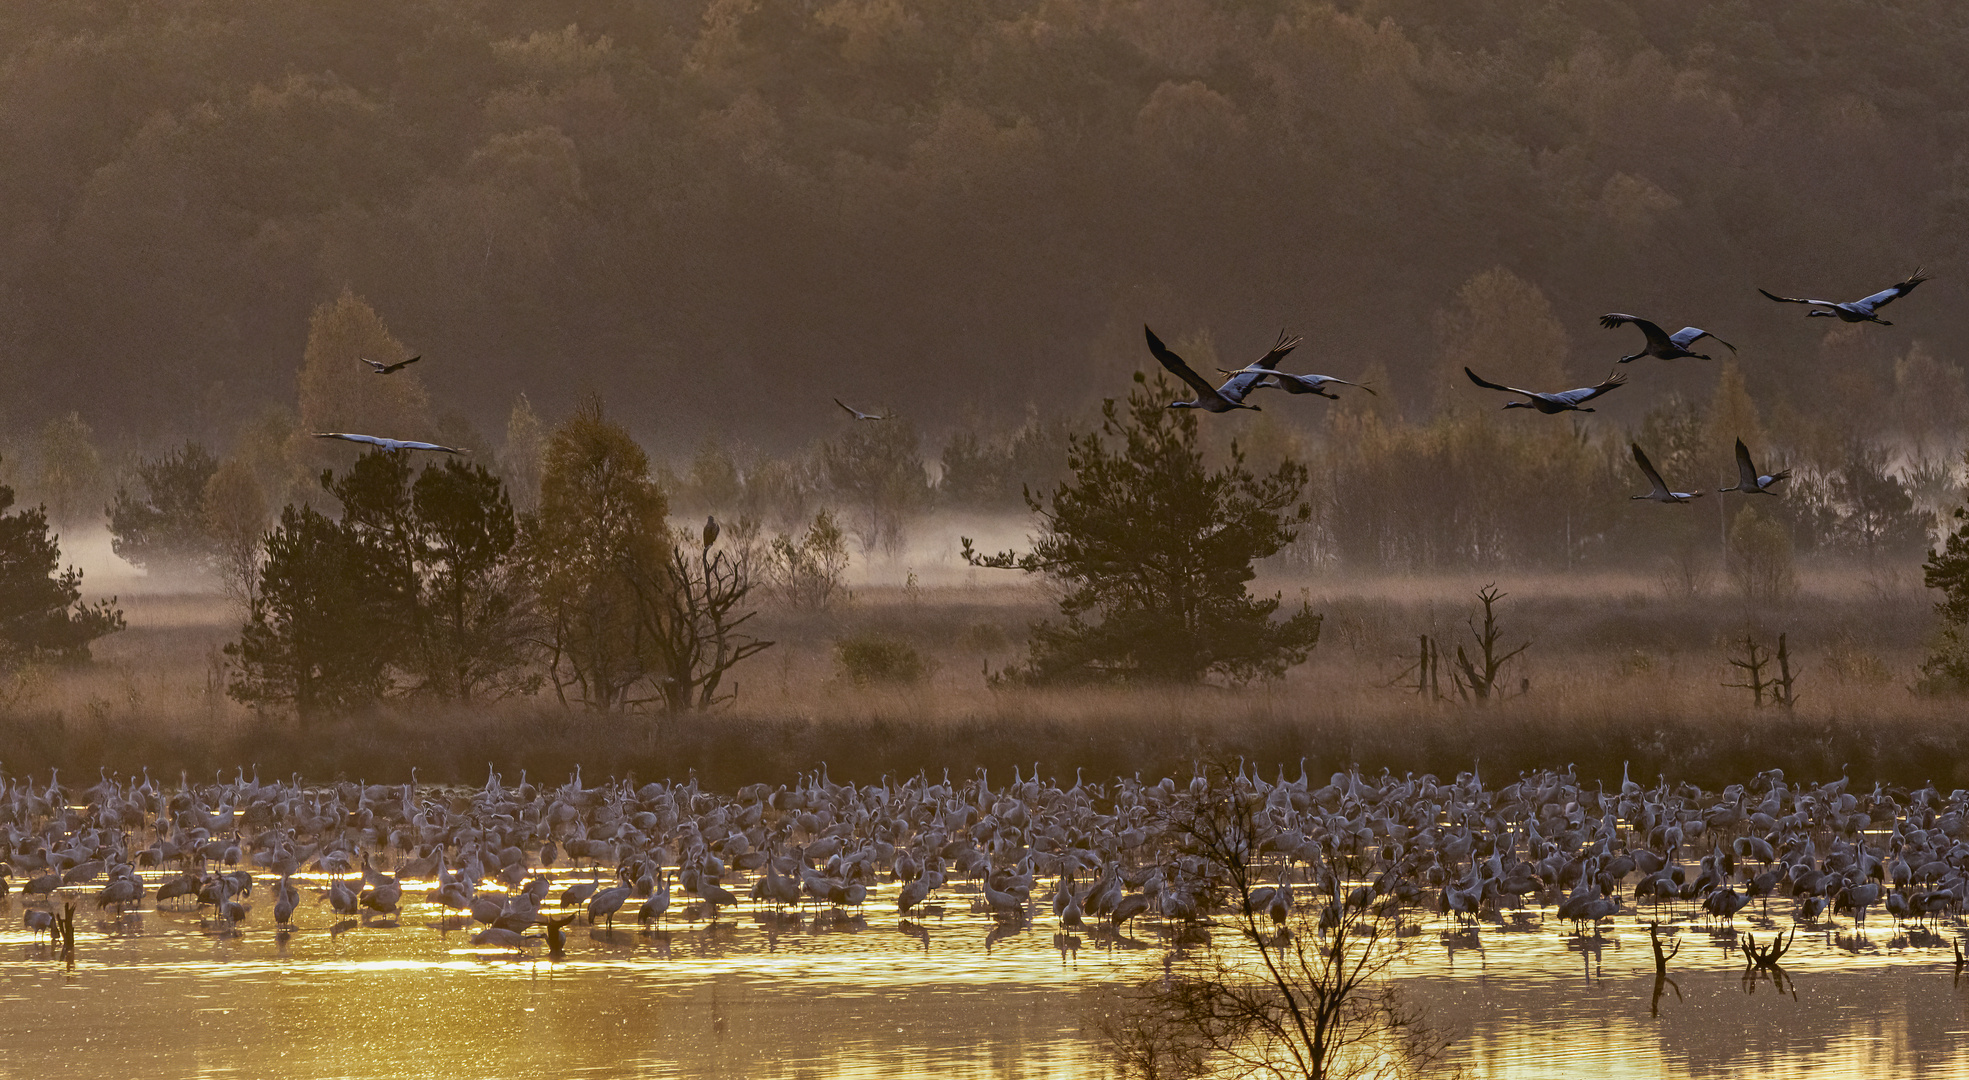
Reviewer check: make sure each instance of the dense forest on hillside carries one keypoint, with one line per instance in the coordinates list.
(721, 215)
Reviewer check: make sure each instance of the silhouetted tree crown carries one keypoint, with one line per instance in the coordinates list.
(1153, 550)
(163, 527)
(414, 590)
(600, 528)
(41, 608)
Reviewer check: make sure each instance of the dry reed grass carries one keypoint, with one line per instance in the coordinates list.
(1618, 675)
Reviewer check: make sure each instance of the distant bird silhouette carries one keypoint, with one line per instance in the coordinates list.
(1748, 481)
(1566, 401)
(1858, 311)
(1660, 493)
(1661, 345)
(710, 531)
(857, 413)
(1217, 399)
(389, 369)
(390, 446)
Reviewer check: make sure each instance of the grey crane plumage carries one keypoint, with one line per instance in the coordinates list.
(1311, 384)
(1858, 311)
(379, 368)
(388, 446)
(1241, 383)
(1661, 344)
(1748, 481)
(1233, 390)
(1264, 375)
(1217, 399)
(1660, 491)
(857, 413)
(1564, 401)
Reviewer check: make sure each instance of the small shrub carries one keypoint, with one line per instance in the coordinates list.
(984, 637)
(807, 574)
(874, 660)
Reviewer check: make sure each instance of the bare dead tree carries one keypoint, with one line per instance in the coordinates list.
(1481, 680)
(691, 613)
(1309, 996)
(1755, 657)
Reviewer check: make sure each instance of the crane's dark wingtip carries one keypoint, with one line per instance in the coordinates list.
(1610, 321)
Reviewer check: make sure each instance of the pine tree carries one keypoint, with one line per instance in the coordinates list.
(163, 529)
(41, 608)
(322, 631)
(1153, 551)
(1947, 569)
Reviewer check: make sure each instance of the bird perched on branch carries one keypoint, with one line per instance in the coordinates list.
(1858, 311)
(389, 446)
(1565, 401)
(1662, 345)
(1660, 492)
(379, 368)
(1748, 481)
(857, 413)
(710, 531)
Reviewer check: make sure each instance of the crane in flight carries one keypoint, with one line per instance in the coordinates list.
(379, 368)
(388, 446)
(1302, 384)
(1549, 404)
(1663, 345)
(1660, 492)
(1748, 481)
(1244, 381)
(1217, 399)
(857, 413)
(1858, 311)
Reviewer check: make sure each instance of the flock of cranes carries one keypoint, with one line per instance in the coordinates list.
(1089, 857)
(1263, 374)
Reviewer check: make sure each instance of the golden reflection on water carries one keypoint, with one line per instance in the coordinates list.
(172, 994)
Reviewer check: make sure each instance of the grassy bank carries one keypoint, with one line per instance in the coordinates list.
(1105, 733)
(1618, 673)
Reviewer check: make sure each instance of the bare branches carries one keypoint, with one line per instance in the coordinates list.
(1307, 998)
(1752, 660)
(691, 613)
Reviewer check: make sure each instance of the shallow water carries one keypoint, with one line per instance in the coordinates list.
(171, 994)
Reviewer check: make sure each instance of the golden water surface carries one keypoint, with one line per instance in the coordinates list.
(172, 993)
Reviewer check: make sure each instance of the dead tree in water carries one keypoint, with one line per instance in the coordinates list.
(1764, 962)
(1661, 968)
(1310, 999)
